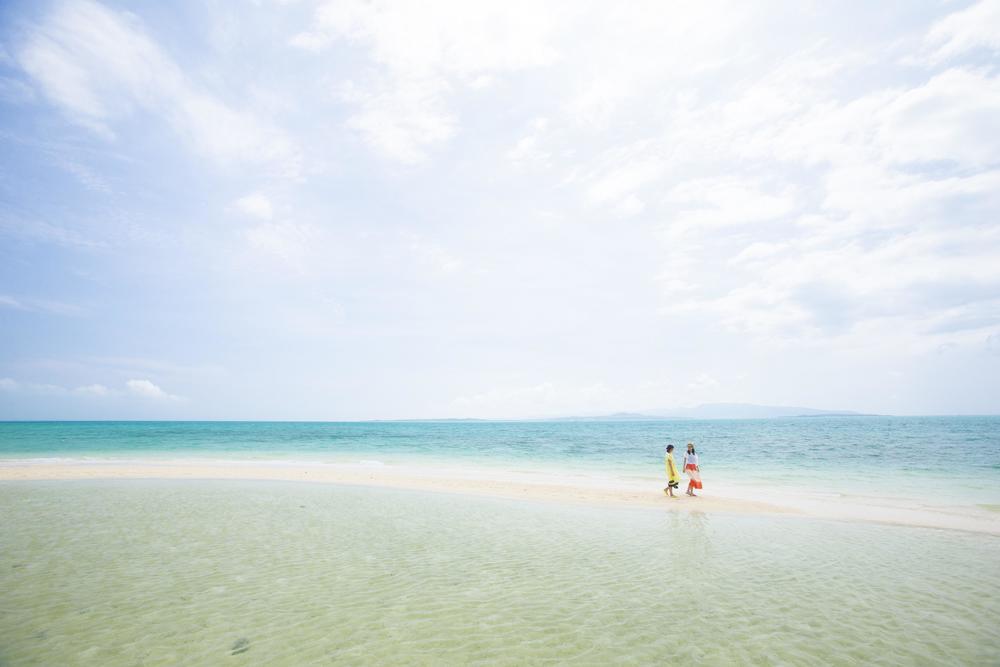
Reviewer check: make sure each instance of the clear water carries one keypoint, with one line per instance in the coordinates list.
(957, 457)
(204, 573)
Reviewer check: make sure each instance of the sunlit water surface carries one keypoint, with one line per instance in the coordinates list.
(206, 573)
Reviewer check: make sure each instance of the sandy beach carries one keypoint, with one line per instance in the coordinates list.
(535, 486)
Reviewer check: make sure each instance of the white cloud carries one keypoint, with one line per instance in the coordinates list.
(535, 400)
(977, 26)
(954, 116)
(425, 53)
(432, 255)
(711, 203)
(822, 213)
(627, 60)
(441, 35)
(629, 171)
(147, 389)
(101, 67)
(703, 382)
(528, 149)
(291, 245)
(922, 281)
(31, 388)
(630, 206)
(96, 390)
(403, 119)
(256, 205)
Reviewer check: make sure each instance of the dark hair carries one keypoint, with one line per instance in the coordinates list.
(691, 445)
(670, 448)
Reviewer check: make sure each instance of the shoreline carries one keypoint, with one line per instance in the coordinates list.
(534, 486)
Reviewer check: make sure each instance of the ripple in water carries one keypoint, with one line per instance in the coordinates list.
(124, 573)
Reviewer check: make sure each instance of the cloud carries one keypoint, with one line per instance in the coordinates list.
(425, 54)
(96, 390)
(977, 26)
(432, 255)
(713, 203)
(147, 389)
(290, 245)
(802, 289)
(703, 382)
(528, 151)
(626, 62)
(31, 388)
(442, 35)
(824, 213)
(402, 136)
(955, 116)
(101, 67)
(255, 205)
(47, 389)
(535, 400)
(627, 173)
(552, 398)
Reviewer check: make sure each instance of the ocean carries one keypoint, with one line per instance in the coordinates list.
(957, 459)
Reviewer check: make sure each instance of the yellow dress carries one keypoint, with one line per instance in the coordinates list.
(673, 476)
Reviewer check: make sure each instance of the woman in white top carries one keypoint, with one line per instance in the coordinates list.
(692, 469)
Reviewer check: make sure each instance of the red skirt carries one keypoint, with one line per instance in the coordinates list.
(692, 472)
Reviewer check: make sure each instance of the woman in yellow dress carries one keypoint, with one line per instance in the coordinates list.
(673, 476)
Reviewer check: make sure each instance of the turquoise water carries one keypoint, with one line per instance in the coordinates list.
(256, 573)
(958, 458)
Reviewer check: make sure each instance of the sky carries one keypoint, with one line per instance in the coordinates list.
(371, 210)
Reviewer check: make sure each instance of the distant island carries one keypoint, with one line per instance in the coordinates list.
(718, 411)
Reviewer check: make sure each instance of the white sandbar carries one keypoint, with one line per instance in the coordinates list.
(544, 486)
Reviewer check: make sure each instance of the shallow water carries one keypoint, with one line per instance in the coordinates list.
(157, 572)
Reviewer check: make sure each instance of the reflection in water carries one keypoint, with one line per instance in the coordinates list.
(689, 536)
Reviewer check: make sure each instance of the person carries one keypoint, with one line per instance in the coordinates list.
(673, 476)
(692, 470)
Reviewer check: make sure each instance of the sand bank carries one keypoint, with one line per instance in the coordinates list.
(537, 486)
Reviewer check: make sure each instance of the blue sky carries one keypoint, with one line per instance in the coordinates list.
(349, 210)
